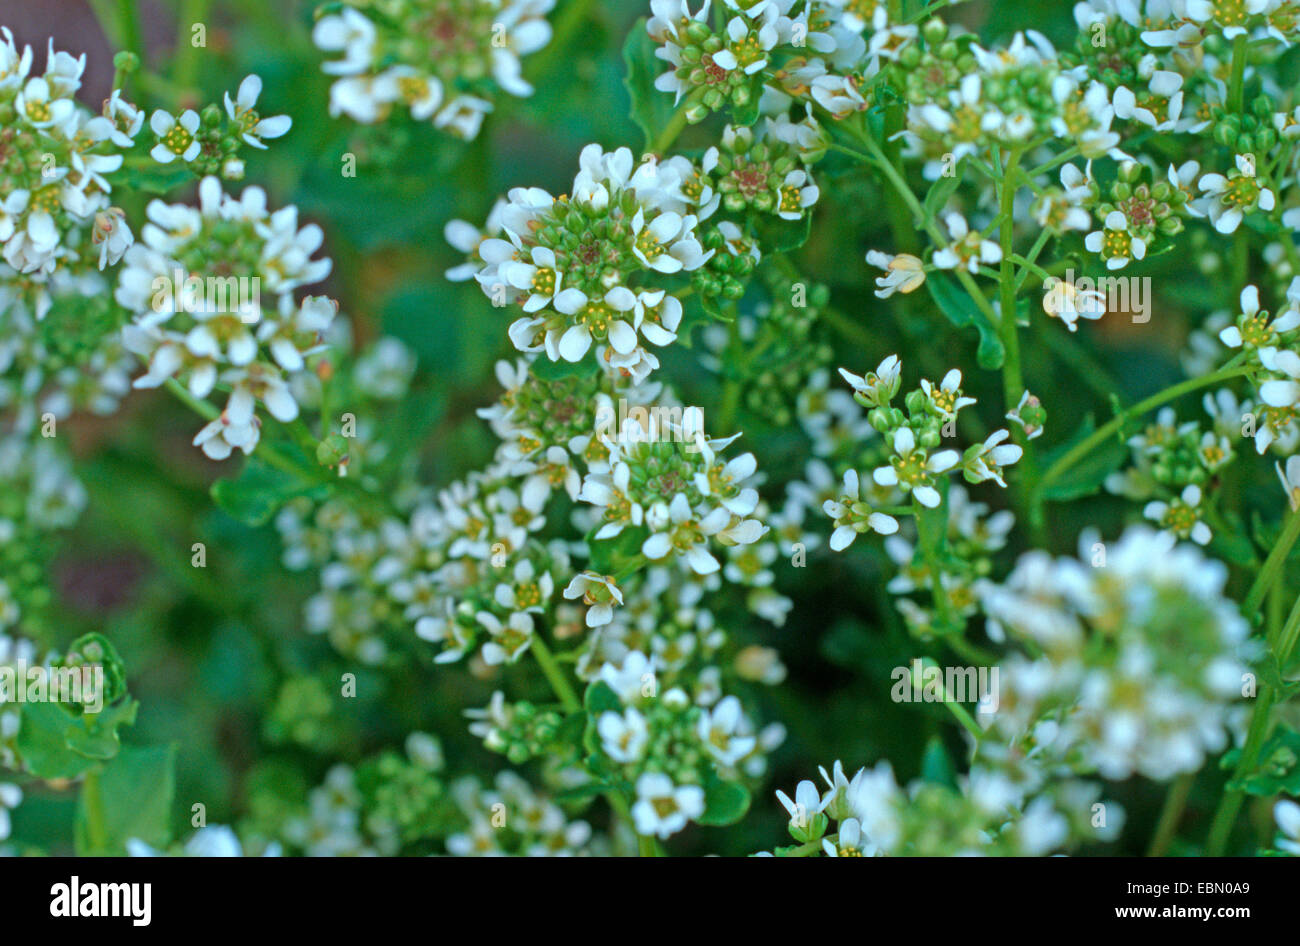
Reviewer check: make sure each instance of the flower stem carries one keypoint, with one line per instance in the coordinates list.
(555, 676)
(1013, 384)
(1171, 814)
(1283, 644)
(664, 140)
(93, 803)
(1272, 565)
(1236, 85)
(568, 697)
(1232, 370)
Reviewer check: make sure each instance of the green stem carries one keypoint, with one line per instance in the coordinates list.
(93, 803)
(1232, 370)
(1283, 646)
(568, 697)
(664, 140)
(1171, 814)
(555, 676)
(1272, 565)
(1013, 384)
(1225, 816)
(187, 55)
(130, 20)
(1236, 85)
(958, 711)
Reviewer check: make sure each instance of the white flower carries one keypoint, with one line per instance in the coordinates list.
(968, 249)
(947, 397)
(807, 802)
(1181, 516)
(986, 461)
(721, 732)
(537, 274)
(1165, 90)
(662, 808)
(599, 318)
(623, 738)
(598, 592)
(912, 470)
(1290, 477)
(852, 516)
(252, 127)
(176, 136)
(1114, 243)
(1287, 815)
(510, 640)
(42, 106)
(349, 32)
(1067, 302)
(849, 841)
(111, 235)
(904, 273)
(1227, 199)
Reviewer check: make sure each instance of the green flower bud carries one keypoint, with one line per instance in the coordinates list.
(332, 451)
(126, 61)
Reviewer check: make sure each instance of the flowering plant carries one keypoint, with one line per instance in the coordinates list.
(730, 412)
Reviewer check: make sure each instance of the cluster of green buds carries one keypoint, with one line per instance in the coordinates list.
(1110, 51)
(212, 142)
(404, 795)
(734, 258)
(1151, 210)
(304, 714)
(761, 173)
(520, 730)
(94, 653)
(715, 70)
(1250, 131)
(784, 347)
(935, 61)
(41, 497)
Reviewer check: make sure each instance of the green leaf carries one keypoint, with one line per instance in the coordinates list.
(724, 802)
(55, 743)
(548, 370)
(158, 178)
(96, 736)
(783, 236)
(957, 305)
(1086, 476)
(131, 798)
(581, 792)
(601, 698)
(938, 195)
(1278, 770)
(608, 556)
(258, 492)
(651, 109)
(936, 766)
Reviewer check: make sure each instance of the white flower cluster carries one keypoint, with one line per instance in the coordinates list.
(71, 359)
(667, 743)
(1139, 656)
(533, 825)
(670, 481)
(442, 61)
(195, 289)
(985, 815)
(586, 268)
(55, 209)
(819, 44)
